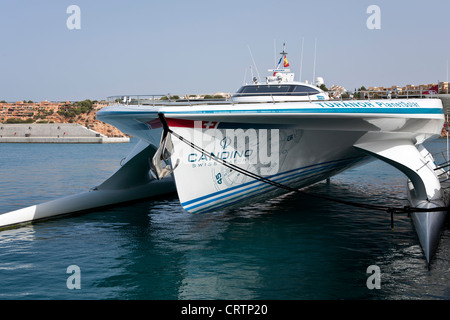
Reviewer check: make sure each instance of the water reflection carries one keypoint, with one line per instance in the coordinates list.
(291, 247)
(286, 248)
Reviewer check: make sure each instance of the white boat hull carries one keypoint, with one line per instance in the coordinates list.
(293, 143)
(293, 157)
(316, 140)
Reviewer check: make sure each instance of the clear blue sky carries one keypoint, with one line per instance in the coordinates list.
(190, 46)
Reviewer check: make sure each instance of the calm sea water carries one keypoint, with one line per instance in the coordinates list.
(293, 247)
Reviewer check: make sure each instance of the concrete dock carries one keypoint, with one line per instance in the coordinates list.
(53, 133)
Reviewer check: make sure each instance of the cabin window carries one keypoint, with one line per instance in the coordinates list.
(303, 91)
(264, 89)
(284, 90)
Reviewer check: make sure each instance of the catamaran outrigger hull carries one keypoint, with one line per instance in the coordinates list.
(293, 143)
(268, 138)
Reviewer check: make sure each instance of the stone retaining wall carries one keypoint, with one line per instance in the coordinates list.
(53, 133)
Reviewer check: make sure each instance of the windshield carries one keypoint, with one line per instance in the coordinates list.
(291, 90)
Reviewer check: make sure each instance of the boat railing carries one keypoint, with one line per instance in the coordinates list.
(167, 99)
(372, 94)
(275, 97)
(192, 99)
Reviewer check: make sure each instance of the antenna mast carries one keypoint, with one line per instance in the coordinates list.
(314, 70)
(253, 62)
(282, 55)
(301, 62)
(284, 52)
(275, 52)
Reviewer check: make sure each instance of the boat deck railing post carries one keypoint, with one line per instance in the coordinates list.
(189, 101)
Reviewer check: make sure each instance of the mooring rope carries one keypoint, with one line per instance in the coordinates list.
(390, 210)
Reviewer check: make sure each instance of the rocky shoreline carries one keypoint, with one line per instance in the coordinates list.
(45, 112)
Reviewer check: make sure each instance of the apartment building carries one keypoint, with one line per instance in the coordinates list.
(430, 88)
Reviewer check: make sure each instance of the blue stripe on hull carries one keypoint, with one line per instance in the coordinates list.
(322, 111)
(292, 111)
(270, 177)
(216, 200)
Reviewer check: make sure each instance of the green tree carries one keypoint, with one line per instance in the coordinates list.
(358, 94)
(17, 120)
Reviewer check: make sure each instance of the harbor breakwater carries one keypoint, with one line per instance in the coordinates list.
(54, 133)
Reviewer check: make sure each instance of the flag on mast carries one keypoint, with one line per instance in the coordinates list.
(279, 62)
(432, 90)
